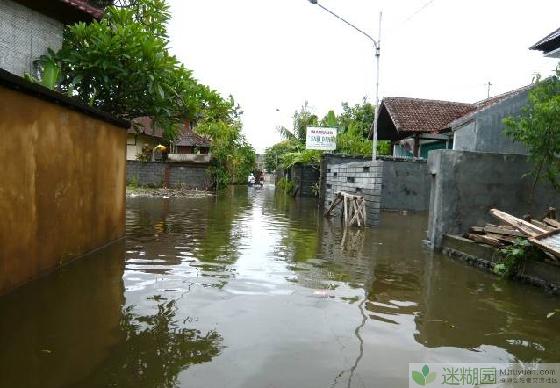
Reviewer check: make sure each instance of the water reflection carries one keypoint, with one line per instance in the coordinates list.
(154, 350)
(243, 289)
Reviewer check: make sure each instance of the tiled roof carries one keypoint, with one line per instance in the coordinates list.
(486, 103)
(145, 125)
(548, 43)
(189, 138)
(85, 7)
(421, 115)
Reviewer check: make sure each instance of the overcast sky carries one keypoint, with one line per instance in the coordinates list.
(277, 54)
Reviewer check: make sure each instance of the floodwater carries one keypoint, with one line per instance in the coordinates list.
(253, 289)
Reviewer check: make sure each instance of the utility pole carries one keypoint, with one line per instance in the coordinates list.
(377, 46)
(489, 86)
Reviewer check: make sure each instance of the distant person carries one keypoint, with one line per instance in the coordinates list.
(251, 180)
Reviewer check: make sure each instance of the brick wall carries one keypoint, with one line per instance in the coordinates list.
(193, 176)
(25, 35)
(361, 178)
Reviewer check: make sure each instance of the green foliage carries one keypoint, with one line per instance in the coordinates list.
(285, 185)
(303, 157)
(538, 127)
(514, 256)
(273, 155)
(360, 116)
(133, 183)
(353, 126)
(233, 157)
(121, 64)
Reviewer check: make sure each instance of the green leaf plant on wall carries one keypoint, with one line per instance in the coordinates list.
(538, 127)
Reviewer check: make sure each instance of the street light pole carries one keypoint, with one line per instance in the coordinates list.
(377, 46)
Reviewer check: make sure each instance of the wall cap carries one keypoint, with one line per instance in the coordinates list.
(20, 84)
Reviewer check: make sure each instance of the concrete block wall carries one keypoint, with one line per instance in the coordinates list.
(361, 178)
(192, 176)
(305, 176)
(145, 173)
(466, 185)
(155, 174)
(405, 185)
(25, 35)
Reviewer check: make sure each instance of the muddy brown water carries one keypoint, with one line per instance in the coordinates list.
(253, 289)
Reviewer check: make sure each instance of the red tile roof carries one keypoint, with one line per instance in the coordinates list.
(145, 126)
(85, 7)
(189, 138)
(421, 115)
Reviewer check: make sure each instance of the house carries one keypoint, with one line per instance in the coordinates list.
(142, 136)
(482, 130)
(416, 126)
(549, 45)
(30, 27)
(190, 147)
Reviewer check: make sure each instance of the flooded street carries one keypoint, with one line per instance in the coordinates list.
(253, 289)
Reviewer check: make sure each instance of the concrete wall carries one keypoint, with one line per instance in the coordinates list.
(361, 178)
(406, 185)
(484, 131)
(62, 190)
(466, 185)
(25, 35)
(305, 176)
(171, 174)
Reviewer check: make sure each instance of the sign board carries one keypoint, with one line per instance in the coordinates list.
(320, 138)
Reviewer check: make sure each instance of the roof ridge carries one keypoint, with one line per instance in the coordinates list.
(429, 100)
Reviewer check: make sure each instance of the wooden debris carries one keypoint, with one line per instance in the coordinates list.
(543, 234)
(485, 240)
(551, 222)
(476, 230)
(353, 208)
(523, 226)
(549, 242)
(542, 225)
(502, 231)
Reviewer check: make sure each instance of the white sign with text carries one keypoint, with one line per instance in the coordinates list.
(320, 138)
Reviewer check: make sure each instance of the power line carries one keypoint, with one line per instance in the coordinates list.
(422, 8)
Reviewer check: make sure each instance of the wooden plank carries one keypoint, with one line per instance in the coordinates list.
(552, 222)
(522, 225)
(502, 238)
(503, 231)
(484, 239)
(542, 225)
(334, 203)
(549, 242)
(476, 229)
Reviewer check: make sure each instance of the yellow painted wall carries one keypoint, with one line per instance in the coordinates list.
(62, 186)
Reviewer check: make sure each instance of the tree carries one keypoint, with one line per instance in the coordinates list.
(273, 155)
(121, 64)
(538, 127)
(233, 157)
